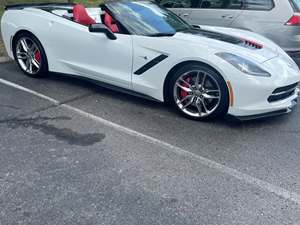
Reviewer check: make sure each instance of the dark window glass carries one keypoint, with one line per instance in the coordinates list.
(204, 4)
(259, 4)
(175, 3)
(147, 18)
(296, 5)
(221, 4)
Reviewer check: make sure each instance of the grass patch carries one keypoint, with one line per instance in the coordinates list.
(9, 2)
(2, 49)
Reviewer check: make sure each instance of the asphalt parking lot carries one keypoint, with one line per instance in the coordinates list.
(72, 152)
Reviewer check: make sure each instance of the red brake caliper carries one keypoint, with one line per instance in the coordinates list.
(182, 92)
(37, 56)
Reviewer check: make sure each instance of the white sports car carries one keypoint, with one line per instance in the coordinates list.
(143, 49)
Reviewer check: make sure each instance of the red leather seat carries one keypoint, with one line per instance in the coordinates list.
(110, 23)
(81, 16)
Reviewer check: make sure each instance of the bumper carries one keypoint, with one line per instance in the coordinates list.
(282, 107)
(283, 111)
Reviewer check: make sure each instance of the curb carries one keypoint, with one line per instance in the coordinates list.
(4, 59)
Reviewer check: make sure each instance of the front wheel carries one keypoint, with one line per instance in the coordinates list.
(198, 92)
(30, 55)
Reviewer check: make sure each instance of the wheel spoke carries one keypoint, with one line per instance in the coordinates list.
(188, 104)
(215, 91)
(207, 96)
(185, 82)
(29, 67)
(183, 88)
(185, 98)
(24, 45)
(33, 48)
(21, 55)
(204, 106)
(36, 63)
(199, 107)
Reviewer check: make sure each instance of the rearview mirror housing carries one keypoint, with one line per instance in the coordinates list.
(101, 28)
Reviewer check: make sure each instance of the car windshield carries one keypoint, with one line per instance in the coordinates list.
(147, 18)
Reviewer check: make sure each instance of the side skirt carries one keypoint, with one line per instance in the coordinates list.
(109, 86)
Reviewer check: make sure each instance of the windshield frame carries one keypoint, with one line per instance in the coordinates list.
(107, 7)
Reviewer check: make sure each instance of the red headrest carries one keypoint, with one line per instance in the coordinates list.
(81, 16)
(110, 23)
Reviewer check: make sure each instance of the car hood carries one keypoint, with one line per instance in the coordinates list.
(239, 42)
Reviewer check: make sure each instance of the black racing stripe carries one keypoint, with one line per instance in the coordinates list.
(150, 64)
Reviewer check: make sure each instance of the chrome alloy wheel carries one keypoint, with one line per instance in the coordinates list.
(28, 55)
(197, 93)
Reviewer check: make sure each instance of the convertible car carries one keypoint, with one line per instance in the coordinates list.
(140, 48)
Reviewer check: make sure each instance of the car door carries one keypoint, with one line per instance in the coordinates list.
(263, 17)
(216, 12)
(180, 7)
(77, 51)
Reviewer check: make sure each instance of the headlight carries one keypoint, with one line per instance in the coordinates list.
(243, 65)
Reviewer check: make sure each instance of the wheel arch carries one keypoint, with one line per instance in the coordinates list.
(19, 32)
(177, 66)
(25, 31)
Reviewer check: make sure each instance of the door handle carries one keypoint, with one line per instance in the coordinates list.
(227, 16)
(185, 15)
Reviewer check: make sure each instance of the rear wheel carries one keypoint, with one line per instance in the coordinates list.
(198, 92)
(30, 55)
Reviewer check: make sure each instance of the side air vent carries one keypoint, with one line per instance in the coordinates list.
(283, 93)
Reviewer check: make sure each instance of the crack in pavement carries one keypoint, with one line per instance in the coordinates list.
(9, 106)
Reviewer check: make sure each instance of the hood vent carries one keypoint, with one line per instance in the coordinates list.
(225, 38)
(251, 44)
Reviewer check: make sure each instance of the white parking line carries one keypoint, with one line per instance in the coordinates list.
(281, 192)
(8, 83)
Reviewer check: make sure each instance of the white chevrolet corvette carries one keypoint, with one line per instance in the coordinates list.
(143, 49)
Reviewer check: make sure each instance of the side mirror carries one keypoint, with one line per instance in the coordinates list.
(101, 28)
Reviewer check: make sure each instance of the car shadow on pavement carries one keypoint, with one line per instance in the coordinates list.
(104, 91)
(163, 107)
(76, 83)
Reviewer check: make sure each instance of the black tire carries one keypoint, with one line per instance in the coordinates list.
(43, 70)
(220, 110)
